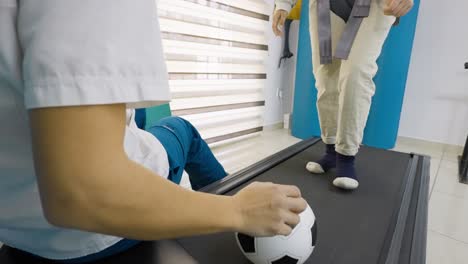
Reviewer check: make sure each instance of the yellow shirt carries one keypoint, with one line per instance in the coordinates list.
(295, 13)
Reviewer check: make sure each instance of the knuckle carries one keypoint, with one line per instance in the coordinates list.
(296, 220)
(277, 228)
(275, 203)
(297, 190)
(276, 188)
(277, 218)
(285, 231)
(280, 201)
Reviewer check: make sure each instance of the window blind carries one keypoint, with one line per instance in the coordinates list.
(215, 52)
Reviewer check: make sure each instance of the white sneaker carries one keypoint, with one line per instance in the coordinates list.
(314, 167)
(346, 183)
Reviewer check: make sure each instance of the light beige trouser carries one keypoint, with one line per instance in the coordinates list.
(345, 88)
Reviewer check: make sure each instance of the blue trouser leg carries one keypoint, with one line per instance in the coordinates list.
(187, 151)
(140, 118)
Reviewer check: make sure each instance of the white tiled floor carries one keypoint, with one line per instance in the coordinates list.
(448, 205)
(447, 180)
(445, 250)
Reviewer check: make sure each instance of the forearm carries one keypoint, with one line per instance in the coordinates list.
(135, 203)
(87, 181)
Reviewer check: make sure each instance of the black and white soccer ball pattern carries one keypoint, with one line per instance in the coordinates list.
(293, 249)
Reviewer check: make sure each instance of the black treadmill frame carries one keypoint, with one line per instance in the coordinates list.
(416, 190)
(463, 164)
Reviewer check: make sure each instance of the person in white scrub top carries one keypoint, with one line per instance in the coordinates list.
(77, 177)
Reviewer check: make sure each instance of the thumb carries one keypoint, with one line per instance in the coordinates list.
(389, 5)
(276, 20)
(283, 20)
(284, 16)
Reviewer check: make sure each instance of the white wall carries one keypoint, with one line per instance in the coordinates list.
(280, 82)
(436, 100)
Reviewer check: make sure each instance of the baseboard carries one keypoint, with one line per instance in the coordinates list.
(275, 126)
(434, 143)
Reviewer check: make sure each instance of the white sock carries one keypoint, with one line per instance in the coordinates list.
(314, 167)
(346, 183)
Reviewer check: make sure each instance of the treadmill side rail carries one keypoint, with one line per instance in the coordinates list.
(232, 181)
(397, 234)
(418, 249)
(463, 163)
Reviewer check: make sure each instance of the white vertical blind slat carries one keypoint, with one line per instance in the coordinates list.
(215, 52)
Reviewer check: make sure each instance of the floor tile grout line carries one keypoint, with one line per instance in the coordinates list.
(451, 194)
(447, 236)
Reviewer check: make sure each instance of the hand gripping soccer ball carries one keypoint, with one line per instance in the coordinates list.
(293, 249)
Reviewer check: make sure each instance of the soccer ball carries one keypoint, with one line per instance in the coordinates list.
(293, 249)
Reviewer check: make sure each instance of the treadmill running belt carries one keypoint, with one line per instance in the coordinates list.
(353, 227)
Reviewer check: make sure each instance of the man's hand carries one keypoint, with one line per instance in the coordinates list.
(268, 209)
(279, 18)
(398, 8)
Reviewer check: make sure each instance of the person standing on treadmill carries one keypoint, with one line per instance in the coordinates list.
(347, 38)
(78, 180)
